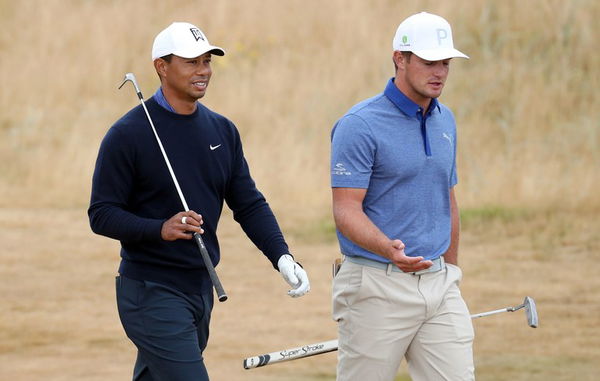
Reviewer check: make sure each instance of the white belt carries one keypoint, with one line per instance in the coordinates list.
(438, 264)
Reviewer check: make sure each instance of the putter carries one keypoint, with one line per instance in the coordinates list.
(129, 77)
(530, 311)
(332, 345)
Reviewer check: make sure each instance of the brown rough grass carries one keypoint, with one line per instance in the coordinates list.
(59, 319)
(526, 102)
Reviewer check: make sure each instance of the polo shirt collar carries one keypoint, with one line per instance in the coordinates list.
(405, 104)
(161, 100)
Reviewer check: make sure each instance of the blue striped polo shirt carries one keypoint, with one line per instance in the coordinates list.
(406, 162)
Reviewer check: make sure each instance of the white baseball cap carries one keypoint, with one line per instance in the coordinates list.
(428, 36)
(184, 40)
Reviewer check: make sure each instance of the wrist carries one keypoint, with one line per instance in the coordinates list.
(283, 259)
(391, 249)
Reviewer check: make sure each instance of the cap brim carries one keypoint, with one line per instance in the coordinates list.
(439, 54)
(217, 51)
(209, 49)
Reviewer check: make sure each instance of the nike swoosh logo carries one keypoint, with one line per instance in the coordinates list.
(212, 148)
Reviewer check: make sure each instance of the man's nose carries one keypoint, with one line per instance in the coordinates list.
(440, 69)
(203, 70)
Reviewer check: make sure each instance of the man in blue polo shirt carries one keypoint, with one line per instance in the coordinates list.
(393, 172)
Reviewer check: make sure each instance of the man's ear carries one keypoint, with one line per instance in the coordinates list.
(161, 67)
(399, 60)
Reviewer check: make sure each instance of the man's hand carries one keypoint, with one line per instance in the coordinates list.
(182, 226)
(404, 262)
(294, 274)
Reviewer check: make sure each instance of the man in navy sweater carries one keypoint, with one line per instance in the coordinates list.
(164, 292)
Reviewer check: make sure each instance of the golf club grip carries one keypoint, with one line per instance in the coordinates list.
(291, 354)
(210, 268)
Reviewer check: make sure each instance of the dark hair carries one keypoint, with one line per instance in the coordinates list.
(406, 55)
(167, 57)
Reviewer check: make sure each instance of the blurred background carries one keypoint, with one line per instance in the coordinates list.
(528, 115)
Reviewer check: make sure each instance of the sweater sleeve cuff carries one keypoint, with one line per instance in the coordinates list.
(153, 230)
(274, 258)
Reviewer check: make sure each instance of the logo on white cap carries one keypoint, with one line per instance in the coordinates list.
(197, 33)
(427, 36)
(442, 34)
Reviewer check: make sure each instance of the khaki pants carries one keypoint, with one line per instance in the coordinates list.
(385, 316)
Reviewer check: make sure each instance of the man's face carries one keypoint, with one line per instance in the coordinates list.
(187, 78)
(424, 79)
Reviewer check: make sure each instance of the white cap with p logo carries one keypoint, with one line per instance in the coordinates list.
(427, 36)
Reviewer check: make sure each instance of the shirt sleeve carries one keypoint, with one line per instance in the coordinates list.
(112, 185)
(352, 153)
(251, 210)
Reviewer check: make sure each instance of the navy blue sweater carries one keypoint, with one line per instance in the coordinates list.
(133, 193)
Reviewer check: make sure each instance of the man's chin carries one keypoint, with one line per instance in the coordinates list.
(435, 93)
(197, 94)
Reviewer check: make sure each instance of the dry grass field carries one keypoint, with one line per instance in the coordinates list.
(529, 173)
(59, 319)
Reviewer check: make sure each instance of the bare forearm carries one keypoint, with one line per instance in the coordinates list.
(354, 224)
(451, 255)
(357, 227)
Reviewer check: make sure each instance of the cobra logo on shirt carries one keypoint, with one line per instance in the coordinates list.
(339, 169)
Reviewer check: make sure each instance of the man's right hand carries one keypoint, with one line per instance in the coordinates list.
(174, 228)
(404, 262)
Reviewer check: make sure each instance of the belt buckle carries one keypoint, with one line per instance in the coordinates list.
(421, 272)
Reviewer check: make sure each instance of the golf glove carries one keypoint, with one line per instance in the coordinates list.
(294, 274)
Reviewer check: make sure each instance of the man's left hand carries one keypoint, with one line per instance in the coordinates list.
(294, 274)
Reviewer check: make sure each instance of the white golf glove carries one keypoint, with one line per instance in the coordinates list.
(294, 274)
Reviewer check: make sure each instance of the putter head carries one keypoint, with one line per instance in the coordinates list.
(531, 312)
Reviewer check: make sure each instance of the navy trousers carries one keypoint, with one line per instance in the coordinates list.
(169, 328)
